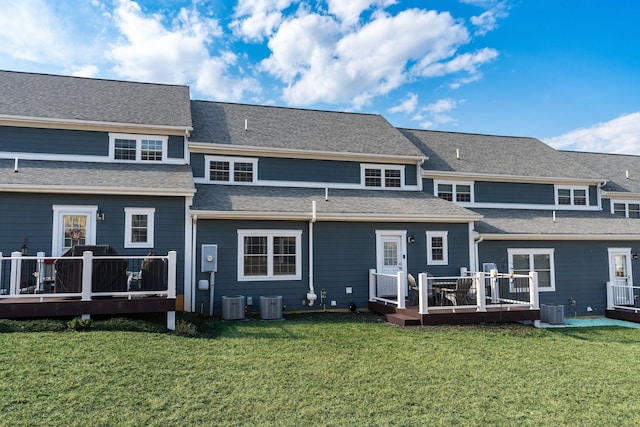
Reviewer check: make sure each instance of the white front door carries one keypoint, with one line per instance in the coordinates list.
(620, 274)
(73, 225)
(391, 254)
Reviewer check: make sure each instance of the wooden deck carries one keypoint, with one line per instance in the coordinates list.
(17, 308)
(494, 314)
(630, 315)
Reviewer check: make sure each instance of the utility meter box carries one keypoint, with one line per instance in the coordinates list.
(209, 258)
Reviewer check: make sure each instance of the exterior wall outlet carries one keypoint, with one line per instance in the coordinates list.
(589, 309)
(333, 303)
(349, 290)
(249, 300)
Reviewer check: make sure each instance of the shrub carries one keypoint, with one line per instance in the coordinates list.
(79, 324)
(186, 329)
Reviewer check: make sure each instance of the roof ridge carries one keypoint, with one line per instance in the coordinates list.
(599, 153)
(469, 133)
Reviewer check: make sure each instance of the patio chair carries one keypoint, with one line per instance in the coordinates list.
(413, 286)
(459, 295)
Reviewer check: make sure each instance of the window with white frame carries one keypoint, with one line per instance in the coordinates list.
(237, 170)
(626, 209)
(459, 192)
(572, 196)
(137, 148)
(523, 261)
(382, 176)
(437, 248)
(269, 255)
(139, 227)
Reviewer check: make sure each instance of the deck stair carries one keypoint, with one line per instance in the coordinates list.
(404, 318)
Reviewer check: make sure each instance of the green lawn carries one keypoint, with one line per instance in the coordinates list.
(330, 370)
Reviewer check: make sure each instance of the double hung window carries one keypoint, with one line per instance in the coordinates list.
(572, 196)
(231, 169)
(626, 209)
(139, 227)
(269, 255)
(459, 192)
(380, 176)
(137, 148)
(523, 261)
(437, 248)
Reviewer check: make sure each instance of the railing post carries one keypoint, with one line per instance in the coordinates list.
(171, 279)
(481, 293)
(423, 291)
(87, 270)
(610, 304)
(372, 284)
(533, 290)
(495, 290)
(1, 270)
(16, 272)
(40, 275)
(402, 289)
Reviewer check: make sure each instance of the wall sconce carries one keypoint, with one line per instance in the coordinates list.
(411, 239)
(100, 215)
(25, 250)
(634, 255)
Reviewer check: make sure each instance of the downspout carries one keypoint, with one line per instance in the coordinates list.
(311, 295)
(194, 226)
(476, 241)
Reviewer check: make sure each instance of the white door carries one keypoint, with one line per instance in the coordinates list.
(73, 225)
(620, 274)
(391, 257)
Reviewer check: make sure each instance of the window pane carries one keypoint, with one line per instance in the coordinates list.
(463, 193)
(445, 191)
(392, 178)
(255, 256)
(580, 197)
(619, 209)
(544, 279)
(243, 172)
(634, 210)
(125, 149)
(564, 196)
(219, 171)
(521, 263)
(541, 262)
(139, 228)
(390, 254)
(437, 249)
(373, 178)
(284, 259)
(75, 230)
(151, 150)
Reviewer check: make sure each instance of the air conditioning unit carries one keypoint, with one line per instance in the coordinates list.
(552, 314)
(233, 307)
(271, 307)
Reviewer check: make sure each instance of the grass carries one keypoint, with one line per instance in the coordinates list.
(321, 369)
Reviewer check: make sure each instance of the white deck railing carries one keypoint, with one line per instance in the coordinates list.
(87, 277)
(388, 288)
(623, 297)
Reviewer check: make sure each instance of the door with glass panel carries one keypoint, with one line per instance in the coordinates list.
(73, 226)
(391, 258)
(621, 276)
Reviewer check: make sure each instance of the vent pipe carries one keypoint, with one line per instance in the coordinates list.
(554, 216)
(15, 165)
(246, 124)
(626, 174)
(457, 153)
(326, 194)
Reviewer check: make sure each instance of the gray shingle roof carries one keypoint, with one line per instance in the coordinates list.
(611, 167)
(133, 177)
(95, 100)
(297, 129)
(523, 221)
(237, 199)
(494, 155)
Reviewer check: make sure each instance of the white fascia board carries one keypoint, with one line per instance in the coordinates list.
(308, 184)
(82, 158)
(236, 150)
(71, 124)
(562, 237)
(328, 217)
(524, 206)
(124, 191)
(620, 195)
(432, 174)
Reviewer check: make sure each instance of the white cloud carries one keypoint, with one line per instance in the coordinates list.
(488, 21)
(348, 12)
(407, 106)
(441, 106)
(320, 62)
(468, 62)
(620, 136)
(180, 54)
(31, 31)
(88, 70)
(256, 19)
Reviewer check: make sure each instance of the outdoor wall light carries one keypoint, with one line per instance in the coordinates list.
(25, 250)
(634, 255)
(100, 215)
(411, 239)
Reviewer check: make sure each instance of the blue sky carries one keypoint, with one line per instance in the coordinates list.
(564, 71)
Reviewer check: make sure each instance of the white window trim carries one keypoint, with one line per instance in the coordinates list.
(626, 204)
(232, 161)
(128, 213)
(572, 189)
(535, 251)
(445, 247)
(471, 184)
(59, 211)
(383, 169)
(138, 138)
(269, 234)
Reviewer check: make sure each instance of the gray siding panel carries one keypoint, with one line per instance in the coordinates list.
(175, 149)
(31, 216)
(343, 255)
(581, 271)
(410, 175)
(276, 169)
(593, 195)
(197, 165)
(53, 141)
(513, 192)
